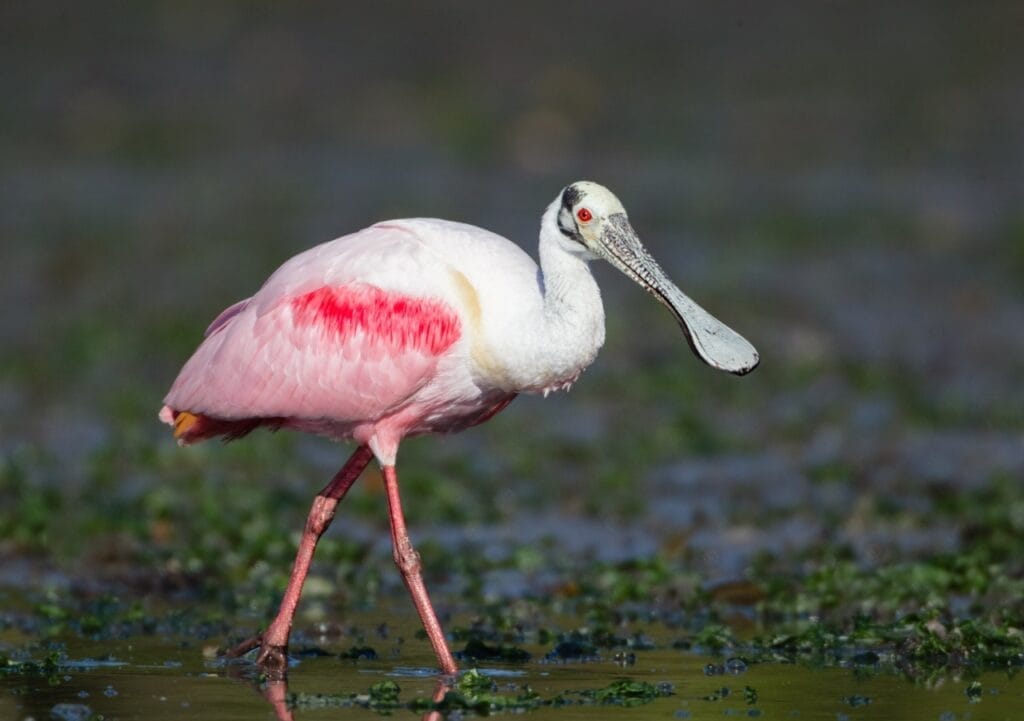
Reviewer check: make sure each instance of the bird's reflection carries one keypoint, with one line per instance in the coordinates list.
(444, 684)
(274, 689)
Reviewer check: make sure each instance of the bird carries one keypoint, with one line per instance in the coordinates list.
(411, 327)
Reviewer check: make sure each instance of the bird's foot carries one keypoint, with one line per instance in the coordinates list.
(272, 659)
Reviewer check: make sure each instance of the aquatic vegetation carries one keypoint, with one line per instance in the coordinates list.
(359, 653)
(478, 693)
(48, 666)
(478, 650)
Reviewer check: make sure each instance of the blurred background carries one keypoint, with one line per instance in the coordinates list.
(840, 182)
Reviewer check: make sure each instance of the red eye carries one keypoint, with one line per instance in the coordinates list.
(584, 215)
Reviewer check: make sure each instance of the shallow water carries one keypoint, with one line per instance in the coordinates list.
(168, 677)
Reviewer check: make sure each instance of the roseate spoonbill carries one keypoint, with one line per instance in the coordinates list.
(417, 326)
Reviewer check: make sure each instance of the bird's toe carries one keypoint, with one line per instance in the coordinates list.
(243, 648)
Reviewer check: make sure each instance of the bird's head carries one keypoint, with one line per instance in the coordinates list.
(592, 223)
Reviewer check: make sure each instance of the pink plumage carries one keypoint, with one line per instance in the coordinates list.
(331, 346)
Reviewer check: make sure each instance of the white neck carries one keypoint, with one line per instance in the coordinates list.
(553, 349)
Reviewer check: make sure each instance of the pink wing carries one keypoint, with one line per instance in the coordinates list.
(226, 315)
(331, 336)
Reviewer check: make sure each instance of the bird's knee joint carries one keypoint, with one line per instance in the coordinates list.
(407, 559)
(320, 515)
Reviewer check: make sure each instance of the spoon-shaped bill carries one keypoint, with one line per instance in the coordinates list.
(715, 343)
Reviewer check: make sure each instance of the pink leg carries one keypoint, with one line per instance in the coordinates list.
(408, 561)
(273, 642)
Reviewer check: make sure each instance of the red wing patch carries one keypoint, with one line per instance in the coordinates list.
(391, 319)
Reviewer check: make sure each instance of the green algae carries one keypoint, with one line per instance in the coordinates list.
(479, 694)
(478, 650)
(48, 666)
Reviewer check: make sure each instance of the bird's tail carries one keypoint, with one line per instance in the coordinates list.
(192, 428)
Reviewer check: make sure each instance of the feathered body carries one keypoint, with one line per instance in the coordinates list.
(407, 327)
